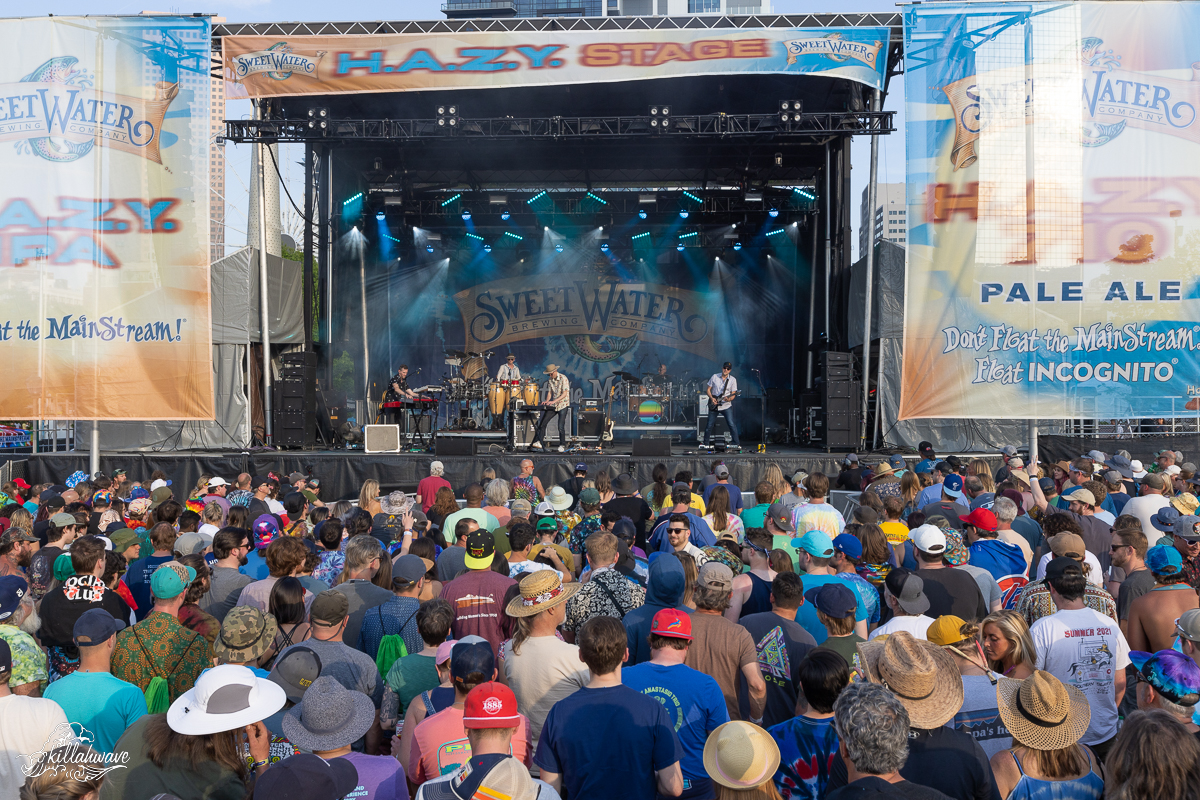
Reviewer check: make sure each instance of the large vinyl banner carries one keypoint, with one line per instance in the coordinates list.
(104, 218)
(271, 66)
(1054, 210)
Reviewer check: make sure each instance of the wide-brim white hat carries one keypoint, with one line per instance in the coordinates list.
(224, 698)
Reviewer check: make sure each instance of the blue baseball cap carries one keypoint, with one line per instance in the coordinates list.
(138, 492)
(897, 461)
(833, 599)
(12, 589)
(953, 485)
(171, 580)
(1164, 559)
(848, 544)
(1170, 673)
(815, 543)
(95, 626)
(923, 467)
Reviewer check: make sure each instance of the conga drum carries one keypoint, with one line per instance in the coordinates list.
(530, 394)
(497, 399)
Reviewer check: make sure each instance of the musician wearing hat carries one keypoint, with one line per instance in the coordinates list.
(721, 389)
(510, 371)
(558, 400)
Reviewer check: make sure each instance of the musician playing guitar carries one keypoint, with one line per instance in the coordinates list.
(558, 391)
(721, 389)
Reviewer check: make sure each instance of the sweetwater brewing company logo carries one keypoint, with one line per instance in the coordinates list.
(62, 755)
(55, 113)
(833, 47)
(278, 62)
(1113, 99)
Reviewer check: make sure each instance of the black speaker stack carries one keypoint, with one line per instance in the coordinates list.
(296, 401)
(841, 398)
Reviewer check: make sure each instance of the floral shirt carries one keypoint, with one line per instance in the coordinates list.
(28, 660)
(330, 566)
(159, 646)
(582, 530)
(1035, 602)
(593, 601)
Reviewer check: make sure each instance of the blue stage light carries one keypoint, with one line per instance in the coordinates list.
(466, 214)
(428, 248)
(737, 245)
(683, 213)
(505, 214)
(679, 247)
(379, 215)
(642, 213)
(772, 213)
(487, 248)
(558, 248)
(604, 247)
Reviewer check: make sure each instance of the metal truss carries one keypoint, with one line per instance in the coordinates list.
(624, 203)
(809, 126)
(534, 24)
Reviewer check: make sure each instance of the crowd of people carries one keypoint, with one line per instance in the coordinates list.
(978, 630)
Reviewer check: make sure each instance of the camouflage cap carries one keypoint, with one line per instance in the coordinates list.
(245, 635)
(14, 535)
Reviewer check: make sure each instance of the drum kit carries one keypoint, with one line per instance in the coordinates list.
(653, 399)
(469, 381)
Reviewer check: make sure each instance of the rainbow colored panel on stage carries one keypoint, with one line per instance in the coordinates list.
(1053, 212)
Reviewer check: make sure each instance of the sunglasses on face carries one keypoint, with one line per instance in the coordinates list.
(1114, 548)
(678, 530)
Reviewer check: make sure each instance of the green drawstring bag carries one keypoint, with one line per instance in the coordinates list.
(391, 650)
(158, 695)
(391, 646)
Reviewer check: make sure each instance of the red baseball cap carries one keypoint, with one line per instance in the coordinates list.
(20, 482)
(981, 518)
(491, 705)
(672, 623)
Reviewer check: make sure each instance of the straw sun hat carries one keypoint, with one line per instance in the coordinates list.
(1042, 712)
(922, 675)
(542, 590)
(740, 755)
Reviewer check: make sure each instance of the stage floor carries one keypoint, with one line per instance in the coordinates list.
(342, 472)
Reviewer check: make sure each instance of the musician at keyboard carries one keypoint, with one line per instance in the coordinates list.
(558, 398)
(398, 386)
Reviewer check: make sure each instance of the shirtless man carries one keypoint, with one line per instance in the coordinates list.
(752, 590)
(1151, 624)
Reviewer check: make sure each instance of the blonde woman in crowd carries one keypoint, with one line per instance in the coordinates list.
(1006, 643)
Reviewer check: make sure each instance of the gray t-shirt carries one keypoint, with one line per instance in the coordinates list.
(226, 585)
(987, 584)
(980, 715)
(363, 595)
(1134, 586)
(351, 668)
(451, 562)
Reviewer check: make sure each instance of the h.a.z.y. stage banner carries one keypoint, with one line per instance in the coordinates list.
(1054, 216)
(268, 66)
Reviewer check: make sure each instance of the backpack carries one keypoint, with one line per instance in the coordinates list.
(158, 691)
(391, 647)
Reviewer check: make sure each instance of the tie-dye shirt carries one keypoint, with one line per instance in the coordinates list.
(807, 748)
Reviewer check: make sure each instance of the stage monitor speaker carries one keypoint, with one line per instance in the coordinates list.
(299, 358)
(591, 424)
(382, 438)
(453, 446)
(651, 447)
(295, 428)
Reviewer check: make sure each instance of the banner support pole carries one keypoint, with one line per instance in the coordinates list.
(866, 343)
(94, 454)
(263, 283)
(828, 237)
(362, 285)
(812, 301)
(1033, 449)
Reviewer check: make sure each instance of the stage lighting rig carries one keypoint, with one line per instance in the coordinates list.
(379, 215)
(505, 214)
(660, 118)
(558, 248)
(737, 245)
(773, 212)
(466, 215)
(604, 247)
(642, 213)
(789, 112)
(487, 248)
(318, 120)
(447, 116)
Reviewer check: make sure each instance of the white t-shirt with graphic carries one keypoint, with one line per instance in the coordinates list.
(1085, 649)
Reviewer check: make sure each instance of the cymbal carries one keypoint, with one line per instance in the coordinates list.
(456, 354)
(628, 377)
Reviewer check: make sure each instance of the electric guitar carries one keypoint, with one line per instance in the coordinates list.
(607, 435)
(725, 398)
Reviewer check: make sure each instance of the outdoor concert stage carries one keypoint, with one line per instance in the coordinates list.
(342, 472)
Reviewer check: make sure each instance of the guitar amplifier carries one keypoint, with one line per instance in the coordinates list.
(590, 404)
(590, 426)
(720, 429)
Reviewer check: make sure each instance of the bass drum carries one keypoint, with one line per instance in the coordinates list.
(497, 399)
(529, 393)
(474, 369)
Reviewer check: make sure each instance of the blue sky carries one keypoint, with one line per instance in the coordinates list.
(891, 153)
